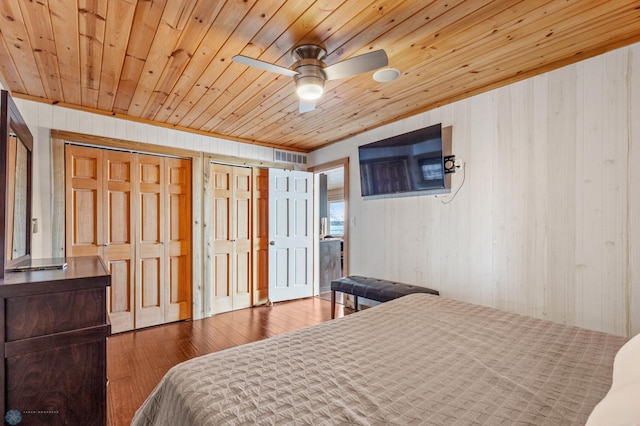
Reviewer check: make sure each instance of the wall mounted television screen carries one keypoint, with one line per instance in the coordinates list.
(408, 164)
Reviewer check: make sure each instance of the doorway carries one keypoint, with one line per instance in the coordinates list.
(332, 219)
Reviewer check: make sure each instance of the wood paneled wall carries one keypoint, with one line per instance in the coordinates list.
(548, 220)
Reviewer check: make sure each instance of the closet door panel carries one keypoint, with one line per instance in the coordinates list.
(150, 207)
(119, 233)
(119, 300)
(222, 281)
(243, 278)
(150, 271)
(178, 287)
(242, 234)
(180, 293)
(150, 278)
(260, 233)
(85, 224)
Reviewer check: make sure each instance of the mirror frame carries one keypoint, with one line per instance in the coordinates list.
(11, 121)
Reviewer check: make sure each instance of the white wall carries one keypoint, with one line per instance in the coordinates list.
(41, 118)
(548, 220)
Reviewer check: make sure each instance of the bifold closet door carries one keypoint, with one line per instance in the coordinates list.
(134, 211)
(231, 222)
(99, 221)
(163, 272)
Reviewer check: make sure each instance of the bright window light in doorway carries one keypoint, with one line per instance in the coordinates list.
(336, 218)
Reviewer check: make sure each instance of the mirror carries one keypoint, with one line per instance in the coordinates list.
(16, 145)
(17, 199)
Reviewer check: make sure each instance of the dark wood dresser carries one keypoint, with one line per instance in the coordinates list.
(54, 332)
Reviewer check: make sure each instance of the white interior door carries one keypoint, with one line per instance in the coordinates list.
(290, 234)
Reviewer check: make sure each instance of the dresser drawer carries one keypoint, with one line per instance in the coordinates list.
(71, 391)
(42, 314)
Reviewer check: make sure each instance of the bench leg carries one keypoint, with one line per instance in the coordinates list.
(333, 304)
(355, 303)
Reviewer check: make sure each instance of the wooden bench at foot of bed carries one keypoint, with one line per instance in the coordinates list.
(372, 289)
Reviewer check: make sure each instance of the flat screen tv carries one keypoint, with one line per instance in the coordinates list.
(408, 164)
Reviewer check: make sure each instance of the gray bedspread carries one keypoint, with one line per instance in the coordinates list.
(420, 359)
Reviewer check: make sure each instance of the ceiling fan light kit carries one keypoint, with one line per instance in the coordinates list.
(309, 88)
(309, 70)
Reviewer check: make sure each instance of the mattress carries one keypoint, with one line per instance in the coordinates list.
(420, 359)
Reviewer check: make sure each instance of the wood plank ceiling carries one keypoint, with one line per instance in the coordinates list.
(169, 61)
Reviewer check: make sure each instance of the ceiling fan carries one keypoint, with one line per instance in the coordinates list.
(310, 71)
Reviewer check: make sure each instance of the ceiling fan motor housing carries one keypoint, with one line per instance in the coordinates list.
(310, 72)
(308, 51)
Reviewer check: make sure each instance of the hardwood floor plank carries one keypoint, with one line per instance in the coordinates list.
(137, 360)
(120, 410)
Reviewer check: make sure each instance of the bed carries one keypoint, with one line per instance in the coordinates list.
(419, 359)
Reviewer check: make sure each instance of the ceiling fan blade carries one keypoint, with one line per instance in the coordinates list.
(265, 66)
(356, 65)
(306, 106)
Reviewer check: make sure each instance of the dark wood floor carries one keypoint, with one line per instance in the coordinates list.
(136, 361)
